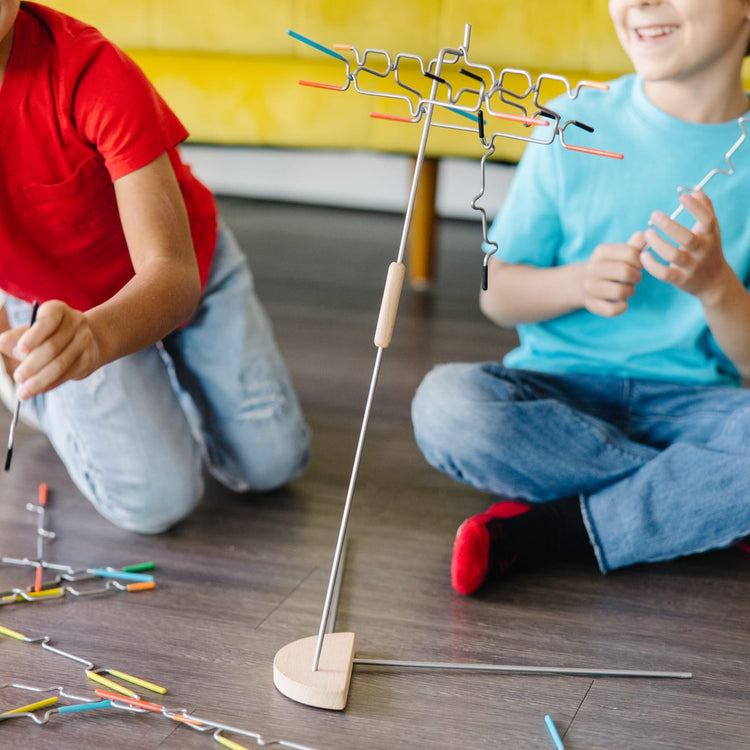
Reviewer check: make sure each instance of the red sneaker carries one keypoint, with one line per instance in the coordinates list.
(471, 547)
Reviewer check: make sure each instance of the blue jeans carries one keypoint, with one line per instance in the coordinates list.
(135, 434)
(661, 469)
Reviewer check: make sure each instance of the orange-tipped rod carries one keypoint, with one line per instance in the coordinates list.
(43, 493)
(345, 47)
(519, 118)
(318, 85)
(38, 578)
(137, 702)
(594, 151)
(185, 720)
(141, 586)
(595, 85)
(397, 118)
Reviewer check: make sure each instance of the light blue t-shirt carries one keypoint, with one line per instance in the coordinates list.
(562, 204)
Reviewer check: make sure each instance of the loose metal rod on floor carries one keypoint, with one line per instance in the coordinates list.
(579, 671)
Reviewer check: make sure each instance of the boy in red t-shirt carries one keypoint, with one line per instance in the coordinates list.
(150, 351)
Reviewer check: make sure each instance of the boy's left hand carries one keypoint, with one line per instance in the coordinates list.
(696, 262)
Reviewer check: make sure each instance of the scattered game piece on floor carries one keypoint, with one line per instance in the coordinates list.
(67, 580)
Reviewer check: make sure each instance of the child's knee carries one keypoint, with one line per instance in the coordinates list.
(267, 470)
(150, 505)
(281, 466)
(281, 469)
(435, 396)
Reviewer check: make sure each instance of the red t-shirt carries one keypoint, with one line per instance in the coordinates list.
(76, 114)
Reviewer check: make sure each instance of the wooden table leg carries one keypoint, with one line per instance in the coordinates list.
(421, 244)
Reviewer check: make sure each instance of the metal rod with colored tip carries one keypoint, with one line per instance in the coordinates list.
(317, 85)
(137, 681)
(17, 410)
(126, 575)
(553, 733)
(84, 707)
(315, 45)
(137, 702)
(231, 744)
(31, 706)
(139, 567)
(142, 586)
(13, 634)
(111, 684)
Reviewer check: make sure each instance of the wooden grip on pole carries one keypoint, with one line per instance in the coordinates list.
(394, 282)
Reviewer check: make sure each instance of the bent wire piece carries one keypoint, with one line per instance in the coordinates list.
(28, 710)
(59, 587)
(92, 671)
(490, 246)
(200, 724)
(729, 171)
(134, 705)
(487, 85)
(15, 596)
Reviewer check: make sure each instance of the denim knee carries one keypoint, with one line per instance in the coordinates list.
(281, 460)
(276, 471)
(435, 408)
(279, 470)
(150, 503)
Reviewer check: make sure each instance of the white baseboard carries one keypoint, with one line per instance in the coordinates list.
(349, 179)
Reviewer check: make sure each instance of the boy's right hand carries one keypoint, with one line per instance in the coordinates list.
(610, 276)
(60, 346)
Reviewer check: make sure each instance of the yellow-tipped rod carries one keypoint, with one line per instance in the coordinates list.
(31, 707)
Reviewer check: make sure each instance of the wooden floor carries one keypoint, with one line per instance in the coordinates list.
(244, 576)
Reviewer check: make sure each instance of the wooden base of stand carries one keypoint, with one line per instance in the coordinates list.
(327, 686)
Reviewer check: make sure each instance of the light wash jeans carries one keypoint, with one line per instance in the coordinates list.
(661, 470)
(135, 434)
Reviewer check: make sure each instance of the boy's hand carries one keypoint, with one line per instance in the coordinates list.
(58, 347)
(696, 262)
(610, 276)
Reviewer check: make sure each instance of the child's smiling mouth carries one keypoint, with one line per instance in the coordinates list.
(655, 32)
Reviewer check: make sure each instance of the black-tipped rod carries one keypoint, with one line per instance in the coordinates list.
(17, 410)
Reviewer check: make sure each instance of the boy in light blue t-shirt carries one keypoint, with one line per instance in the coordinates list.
(617, 425)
